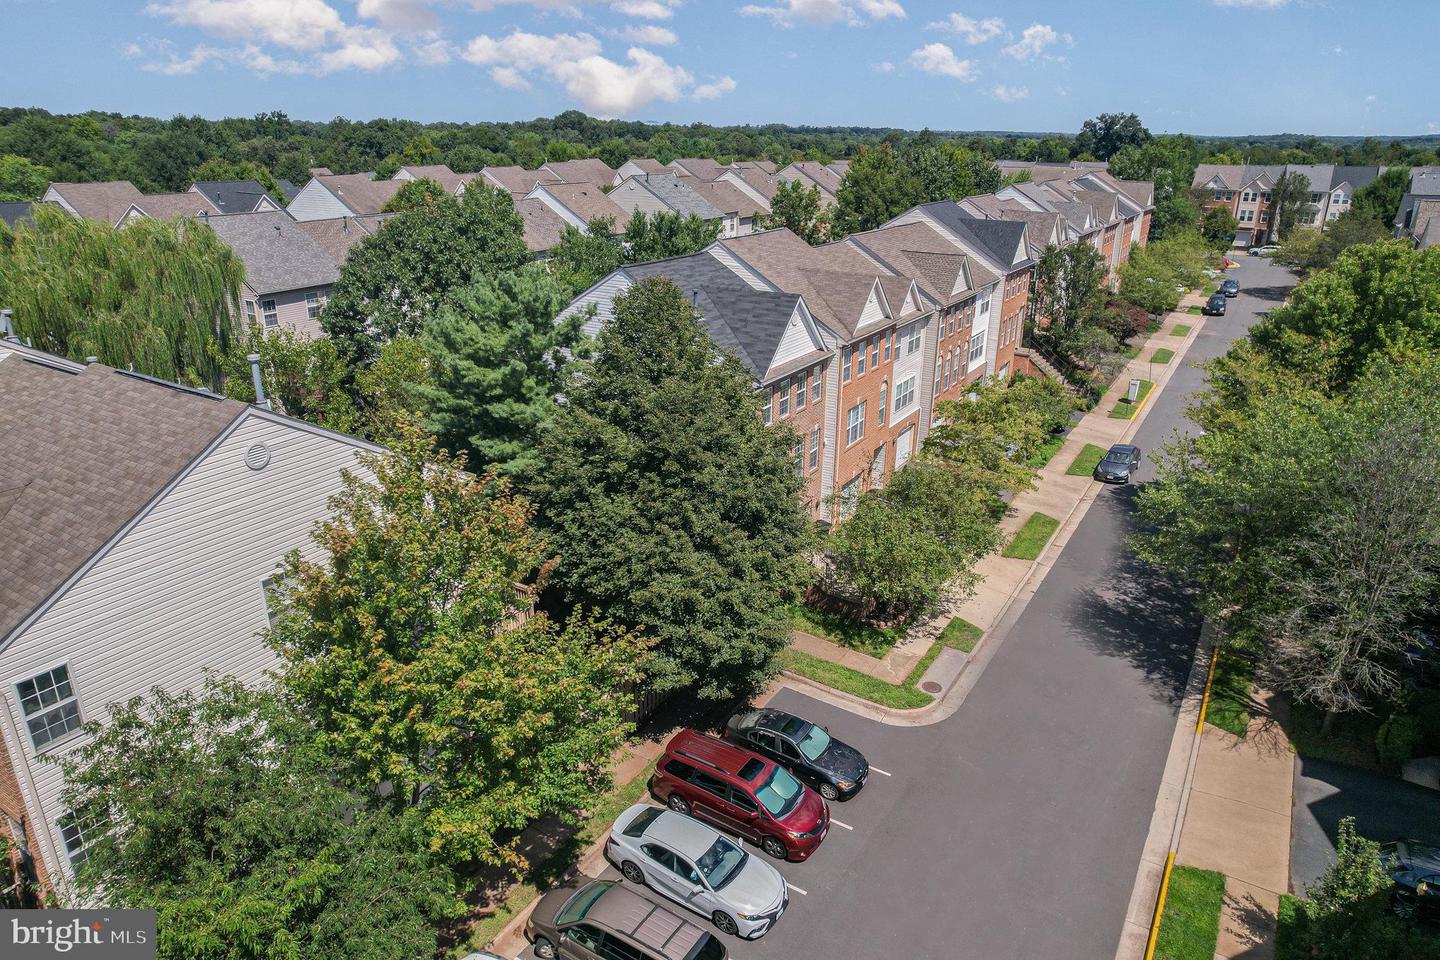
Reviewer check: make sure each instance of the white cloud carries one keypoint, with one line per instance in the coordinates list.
(310, 26)
(603, 86)
(402, 16)
(1034, 40)
(709, 91)
(1009, 94)
(1256, 4)
(1432, 127)
(973, 31)
(940, 60)
(433, 53)
(649, 35)
(884, 66)
(646, 9)
(788, 13)
(1338, 51)
(1371, 98)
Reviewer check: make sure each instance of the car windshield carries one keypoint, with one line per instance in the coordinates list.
(814, 743)
(721, 863)
(577, 906)
(1117, 456)
(780, 793)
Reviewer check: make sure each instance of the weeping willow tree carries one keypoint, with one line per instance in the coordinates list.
(152, 296)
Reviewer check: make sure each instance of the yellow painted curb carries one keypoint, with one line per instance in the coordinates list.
(1159, 907)
(1205, 701)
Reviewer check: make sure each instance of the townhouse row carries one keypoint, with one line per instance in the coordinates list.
(1246, 191)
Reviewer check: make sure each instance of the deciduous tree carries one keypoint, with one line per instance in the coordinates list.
(667, 234)
(582, 259)
(1289, 200)
(1103, 136)
(413, 194)
(1070, 285)
(800, 210)
(877, 188)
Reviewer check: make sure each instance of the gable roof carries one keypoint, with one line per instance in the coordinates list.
(360, 193)
(336, 237)
(439, 172)
(1355, 176)
(107, 200)
(543, 226)
(586, 201)
(86, 448)
(727, 198)
(702, 167)
(916, 251)
(756, 179)
(813, 172)
(764, 166)
(166, 206)
(517, 180)
(645, 165)
(279, 255)
(740, 320)
(287, 189)
(679, 194)
(592, 170)
(999, 240)
(232, 196)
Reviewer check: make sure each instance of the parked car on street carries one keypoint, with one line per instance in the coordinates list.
(742, 793)
(603, 920)
(1230, 287)
(1215, 306)
(1415, 868)
(1119, 462)
(837, 770)
(1268, 250)
(699, 868)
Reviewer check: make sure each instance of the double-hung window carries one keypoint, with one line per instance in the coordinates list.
(860, 354)
(250, 311)
(855, 423)
(52, 712)
(880, 408)
(272, 316)
(313, 303)
(904, 394)
(814, 448)
(784, 392)
(768, 410)
(845, 364)
(815, 391)
(800, 383)
(79, 833)
(875, 352)
(912, 339)
(977, 350)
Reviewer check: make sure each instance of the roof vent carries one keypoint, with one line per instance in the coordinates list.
(90, 360)
(257, 457)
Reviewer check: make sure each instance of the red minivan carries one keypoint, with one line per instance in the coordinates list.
(742, 793)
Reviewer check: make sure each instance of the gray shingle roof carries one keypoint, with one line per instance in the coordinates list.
(517, 180)
(676, 194)
(232, 196)
(278, 254)
(543, 226)
(740, 320)
(998, 239)
(106, 201)
(86, 448)
(359, 192)
(701, 167)
(336, 237)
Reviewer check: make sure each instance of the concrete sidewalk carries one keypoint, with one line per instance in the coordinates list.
(1055, 493)
(1238, 823)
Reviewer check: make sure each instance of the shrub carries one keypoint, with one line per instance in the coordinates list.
(1397, 738)
(1124, 320)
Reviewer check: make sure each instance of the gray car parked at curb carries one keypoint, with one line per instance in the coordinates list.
(602, 920)
(699, 868)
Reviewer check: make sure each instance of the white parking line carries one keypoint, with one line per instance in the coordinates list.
(841, 823)
(883, 773)
(803, 893)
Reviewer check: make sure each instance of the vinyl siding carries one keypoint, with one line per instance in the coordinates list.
(833, 436)
(873, 312)
(632, 197)
(602, 296)
(291, 309)
(740, 270)
(178, 594)
(315, 202)
(797, 342)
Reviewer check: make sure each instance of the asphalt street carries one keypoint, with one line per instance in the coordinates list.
(1014, 828)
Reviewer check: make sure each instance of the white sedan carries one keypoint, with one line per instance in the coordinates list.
(699, 868)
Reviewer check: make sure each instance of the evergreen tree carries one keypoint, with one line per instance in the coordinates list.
(500, 359)
(669, 505)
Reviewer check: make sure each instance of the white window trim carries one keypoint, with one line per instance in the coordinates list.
(65, 738)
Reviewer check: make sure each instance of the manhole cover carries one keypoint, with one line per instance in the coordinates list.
(930, 686)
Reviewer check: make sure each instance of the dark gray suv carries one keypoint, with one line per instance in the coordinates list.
(602, 920)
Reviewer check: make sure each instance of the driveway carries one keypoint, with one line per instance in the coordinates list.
(1384, 808)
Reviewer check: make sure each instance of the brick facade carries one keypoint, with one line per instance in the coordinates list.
(15, 821)
(797, 400)
(867, 459)
(1015, 304)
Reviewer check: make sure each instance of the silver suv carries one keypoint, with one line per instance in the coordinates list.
(699, 868)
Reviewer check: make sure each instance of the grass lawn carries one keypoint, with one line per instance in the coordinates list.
(1180, 330)
(863, 637)
(1046, 452)
(875, 690)
(1086, 461)
(1131, 351)
(1190, 924)
(1197, 311)
(542, 875)
(1229, 707)
(1124, 409)
(1163, 355)
(958, 633)
(1288, 938)
(1351, 738)
(1032, 537)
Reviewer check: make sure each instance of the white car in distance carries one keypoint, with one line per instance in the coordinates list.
(699, 868)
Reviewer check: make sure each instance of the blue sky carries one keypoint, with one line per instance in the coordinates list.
(1198, 66)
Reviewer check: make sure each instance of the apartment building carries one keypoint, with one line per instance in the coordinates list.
(142, 524)
(812, 173)
(669, 193)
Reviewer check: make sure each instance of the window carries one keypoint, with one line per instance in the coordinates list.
(1264, 216)
(814, 448)
(250, 310)
(875, 353)
(1314, 198)
(313, 305)
(889, 344)
(815, 386)
(50, 707)
(1337, 197)
(1229, 194)
(800, 382)
(743, 800)
(881, 407)
(977, 350)
(855, 423)
(769, 405)
(945, 380)
(848, 495)
(1219, 195)
(587, 937)
(912, 339)
(613, 948)
(708, 783)
(860, 356)
(950, 320)
(267, 308)
(845, 364)
(904, 394)
(784, 391)
(680, 769)
(939, 384)
(985, 307)
(1246, 196)
(79, 833)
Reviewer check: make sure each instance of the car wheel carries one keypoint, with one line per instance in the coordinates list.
(1402, 908)
(774, 848)
(829, 792)
(678, 803)
(544, 949)
(725, 923)
(633, 873)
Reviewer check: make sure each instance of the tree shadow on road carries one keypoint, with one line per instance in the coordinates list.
(1142, 614)
(1277, 294)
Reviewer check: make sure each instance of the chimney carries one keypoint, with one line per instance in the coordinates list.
(7, 327)
(260, 400)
